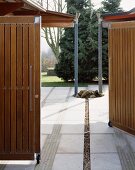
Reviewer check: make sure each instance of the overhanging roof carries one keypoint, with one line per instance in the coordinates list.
(49, 18)
(30, 8)
(122, 16)
(127, 17)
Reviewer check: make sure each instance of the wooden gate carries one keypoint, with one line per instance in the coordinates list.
(19, 87)
(122, 75)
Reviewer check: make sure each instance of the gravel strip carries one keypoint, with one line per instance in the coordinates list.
(86, 159)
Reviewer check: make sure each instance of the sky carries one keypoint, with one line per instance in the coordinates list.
(125, 4)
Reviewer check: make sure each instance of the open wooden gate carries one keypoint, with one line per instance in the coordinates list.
(122, 75)
(19, 87)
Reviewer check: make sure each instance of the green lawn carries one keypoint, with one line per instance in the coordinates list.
(54, 81)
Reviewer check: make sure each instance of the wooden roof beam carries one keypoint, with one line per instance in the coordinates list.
(58, 24)
(50, 18)
(119, 17)
(9, 7)
(47, 13)
(26, 12)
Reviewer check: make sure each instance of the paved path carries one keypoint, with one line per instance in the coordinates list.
(111, 149)
(62, 135)
(63, 129)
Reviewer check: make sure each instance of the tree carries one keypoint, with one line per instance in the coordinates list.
(52, 35)
(87, 44)
(111, 6)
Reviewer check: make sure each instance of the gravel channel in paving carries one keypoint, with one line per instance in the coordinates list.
(86, 158)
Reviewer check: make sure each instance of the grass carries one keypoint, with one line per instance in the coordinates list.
(54, 81)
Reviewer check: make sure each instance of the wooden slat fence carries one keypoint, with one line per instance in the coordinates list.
(122, 76)
(19, 108)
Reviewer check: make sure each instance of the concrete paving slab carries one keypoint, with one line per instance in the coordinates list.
(72, 129)
(52, 116)
(71, 144)
(105, 162)
(100, 127)
(75, 104)
(20, 165)
(131, 140)
(52, 122)
(74, 115)
(45, 93)
(72, 122)
(68, 162)
(62, 88)
(54, 107)
(102, 143)
(55, 100)
(43, 140)
(94, 117)
(46, 128)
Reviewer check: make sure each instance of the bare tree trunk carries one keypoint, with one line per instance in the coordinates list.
(52, 35)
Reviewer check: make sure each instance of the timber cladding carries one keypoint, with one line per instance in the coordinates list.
(19, 84)
(122, 75)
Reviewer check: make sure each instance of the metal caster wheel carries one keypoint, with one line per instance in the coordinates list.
(38, 158)
(110, 124)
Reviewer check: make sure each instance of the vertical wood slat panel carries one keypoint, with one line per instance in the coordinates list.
(7, 91)
(25, 86)
(124, 77)
(17, 53)
(19, 86)
(37, 88)
(31, 84)
(133, 37)
(111, 90)
(114, 73)
(129, 78)
(132, 77)
(13, 88)
(120, 77)
(110, 71)
(116, 76)
(2, 88)
(110, 75)
(122, 51)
